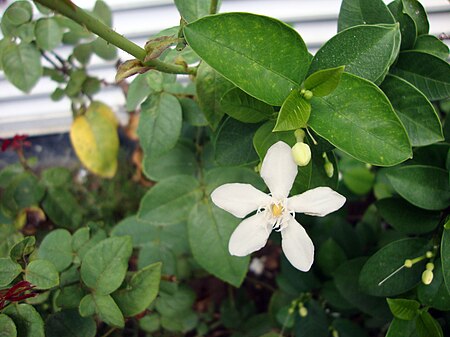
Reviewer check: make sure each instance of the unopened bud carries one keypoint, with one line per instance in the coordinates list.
(302, 311)
(430, 266)
(429, 254)
(408, 263)
(301, 154)
(329, 169)
(427, 277)
(299, 135)
(308, 95)
(290, 311)
(335, 333)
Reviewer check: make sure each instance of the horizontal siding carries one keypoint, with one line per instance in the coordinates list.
(36, 114)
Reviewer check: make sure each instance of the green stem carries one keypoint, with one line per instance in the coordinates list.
(213, 7)
(72, 11)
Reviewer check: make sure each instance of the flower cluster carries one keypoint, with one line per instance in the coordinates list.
(18, 142)
(275, 211)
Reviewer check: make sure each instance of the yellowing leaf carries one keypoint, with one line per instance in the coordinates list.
(95, 140)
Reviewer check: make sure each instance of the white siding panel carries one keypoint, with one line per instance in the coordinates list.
(36, 114)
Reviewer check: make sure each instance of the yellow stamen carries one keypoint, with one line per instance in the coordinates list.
(277, 210)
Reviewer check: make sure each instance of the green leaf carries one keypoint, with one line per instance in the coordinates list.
(264, 138)
(314, 324)
(347, 283)
(330, 256)
(27, 320)
(104, 49)
(179, 160)
(402, 328)
(294, 113)
(358, 119)
(56, 177)
(366, 51)
(386, 262)
(57, 248)
(170, 201)
(323, 82)
(211, 87)
(194, 9)
(80, 238)
(245, 108)
(104, 306)
(8, 326)
(42, 274)
(22, 248)
(231, 44)
(69, 323)
(62, 208)
(209, 230)
(432, 45)
(428, 73)
(160, 124)
(140, 292)
(361, 12)
(9, 270)
(415, 111)
(358, 179)
(423, 186)
(70, 296)
(407, 26)
(103, 12)
(416, 11)
(445, 255)
(435, 294)
(104, 266)
(427, 326)
(22, 65)
(83, 53)
(234, 144)
(19, 13)
(48, 33)
(403, 308)
(407, 218)
(219, 176)
(138, 90)
(192, 112)
(172, 305)
(23, 190)
(348, 328)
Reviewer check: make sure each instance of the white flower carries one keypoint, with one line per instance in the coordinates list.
(275, 210)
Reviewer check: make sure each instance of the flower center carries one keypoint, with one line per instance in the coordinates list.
(277, 210)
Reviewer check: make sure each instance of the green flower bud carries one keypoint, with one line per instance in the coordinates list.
(427, 277)
(430, 266)
(429, 254)
(302, 311)
(299, 135)
(301, 154)
(335, 333)
(329, 169)
(308, 95)
(408, 263)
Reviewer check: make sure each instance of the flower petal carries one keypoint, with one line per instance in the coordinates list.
(250, 235)
(319, 201)
(279, 170)
(297, 245)
(239, 199)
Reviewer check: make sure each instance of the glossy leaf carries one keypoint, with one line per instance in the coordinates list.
(445, 255)
(403, 308)
(57, 248)
(245, 108)
(48, 33)
(426, 72)
(313, 324)
(69, 323)
(294, 113)
(27, 320)
(402, 328)
(22, 248)
(231, 44)
(9, 270)
(435, 294)
(193, 10)
(416, 11)
(42, 274)
(140, 291)
(104, 306)
(427, 326)
(209, 231)
(8, 326)
(192, 112)
(423, 186)
(374, 275)
(415, 111)
(348, 328)
(407, 25)
(432, 45)
(219, 176)
(407, 218)
(210, 87)
(366, 51)
(105, 265)
(323, 82)
(361, 12)
(264, 138)
(358, 119)
(170, 201)
(160, 124)
(234, 144)
(22, 65)
(329, 256)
